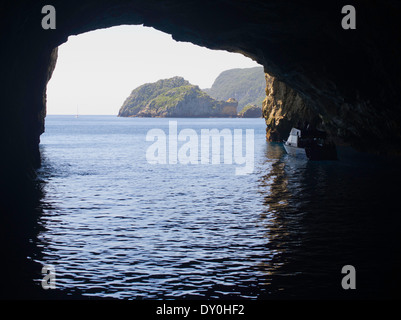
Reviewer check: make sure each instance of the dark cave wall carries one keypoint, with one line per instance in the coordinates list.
(349, 79)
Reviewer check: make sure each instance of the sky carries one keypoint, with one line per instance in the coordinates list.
(96, 71)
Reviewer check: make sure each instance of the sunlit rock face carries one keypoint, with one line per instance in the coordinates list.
(348, 79)
(284, 108)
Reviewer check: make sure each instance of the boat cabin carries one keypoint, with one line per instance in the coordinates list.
(294, 137)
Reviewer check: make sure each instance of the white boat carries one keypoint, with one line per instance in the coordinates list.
(311, 144)
(291, 146)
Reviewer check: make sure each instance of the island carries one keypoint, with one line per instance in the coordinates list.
(175, 97)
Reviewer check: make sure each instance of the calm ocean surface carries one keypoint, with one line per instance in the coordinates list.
(115, 226)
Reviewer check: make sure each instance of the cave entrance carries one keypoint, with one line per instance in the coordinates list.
(115, 225)
(96, 71)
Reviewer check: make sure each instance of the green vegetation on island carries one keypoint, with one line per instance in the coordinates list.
(175, 97)
(235, 93)
(250, 111)
(247, 86)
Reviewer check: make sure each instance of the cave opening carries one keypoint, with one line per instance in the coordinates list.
(97, 70)
(101, 195)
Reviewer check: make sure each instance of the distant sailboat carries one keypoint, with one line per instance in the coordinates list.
(76, 116)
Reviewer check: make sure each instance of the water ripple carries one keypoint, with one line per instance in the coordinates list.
(116, 227)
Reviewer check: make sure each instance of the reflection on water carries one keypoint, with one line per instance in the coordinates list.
(283, 232)
(320, 216)
(21, 208)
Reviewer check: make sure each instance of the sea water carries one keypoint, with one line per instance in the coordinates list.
(114, 225)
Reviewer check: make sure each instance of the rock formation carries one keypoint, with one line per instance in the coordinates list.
(174, 97)
(250, 111)
(246, 85)
(284, 108)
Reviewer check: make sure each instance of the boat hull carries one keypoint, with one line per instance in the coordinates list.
(295, 151)
(311, 145)
(312, 153)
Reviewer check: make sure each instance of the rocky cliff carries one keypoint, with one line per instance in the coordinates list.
(246, 85)
(174, 97)
(250, 111)
(284, 108)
